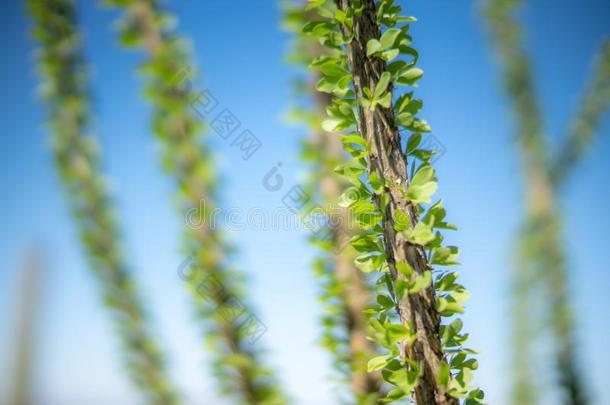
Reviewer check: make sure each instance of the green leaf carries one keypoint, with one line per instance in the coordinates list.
(403, 101)
(340, 16)
(366, 243)
(382, 85)
(413, 143)
(396, 374)
(421, 234)
(435, 216)
(350, 172)
(448, 307)
(410, 76)
(368, 220)
(388, 38)
(368, 263)
(354, 138)
(423, 185)
(397, 332)
(377, 363)
(385, 100)
(422, 281)
(385, 301)
(400, 288)
(373, 46)
(405, 269)
(443, 375)
(395, 395)
(348, 197)
(330, 124)
(390, 54)
(414, 106)
(376, 183)
(401, 221)
(404, 119)
(445, 256)
(333, 69)
(447, 282)
(314, 3)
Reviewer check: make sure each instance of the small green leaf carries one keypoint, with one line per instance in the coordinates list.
(390, 54)
(373, 46)
(447, 307)
(388, 38)
(445, 256)
(421, 234)
(377, 363)
(376, 183)
(413, 143)
(405, 269)
(395, 395)
(410, 76)
(354, 138)
(401, 221)
(443, 375)
(423, 185)
(348, 197)
(385, 301)
(422, 281)
(382, 85)
(340, 16)
(404, 119)
(385, 100)
(330, 124)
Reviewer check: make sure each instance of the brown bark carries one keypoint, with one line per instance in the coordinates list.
(378, 127)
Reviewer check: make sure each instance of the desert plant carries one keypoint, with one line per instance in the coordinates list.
(218, 297)
(542, 259)
(425, 358)
(65, 89)
(344, 290)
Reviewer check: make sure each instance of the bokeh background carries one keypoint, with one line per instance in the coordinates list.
(241, 50)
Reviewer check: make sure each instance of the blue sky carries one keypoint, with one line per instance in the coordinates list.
(240, 50)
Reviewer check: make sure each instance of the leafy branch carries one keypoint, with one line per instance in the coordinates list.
(586, 121)
(345, 290)
(238, 363)
(401, 237)
(65, 89)
(542, 256)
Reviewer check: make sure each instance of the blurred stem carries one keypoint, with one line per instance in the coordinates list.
(65, 89)
(27, 319)
(544, 253)
(186, 158)
(586, 121)
(341, 282)
(355, 290)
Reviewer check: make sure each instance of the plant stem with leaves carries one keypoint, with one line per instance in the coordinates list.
(238, 362)
(65, 89)
(402, 239)
(346, 291)
(542, 253)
